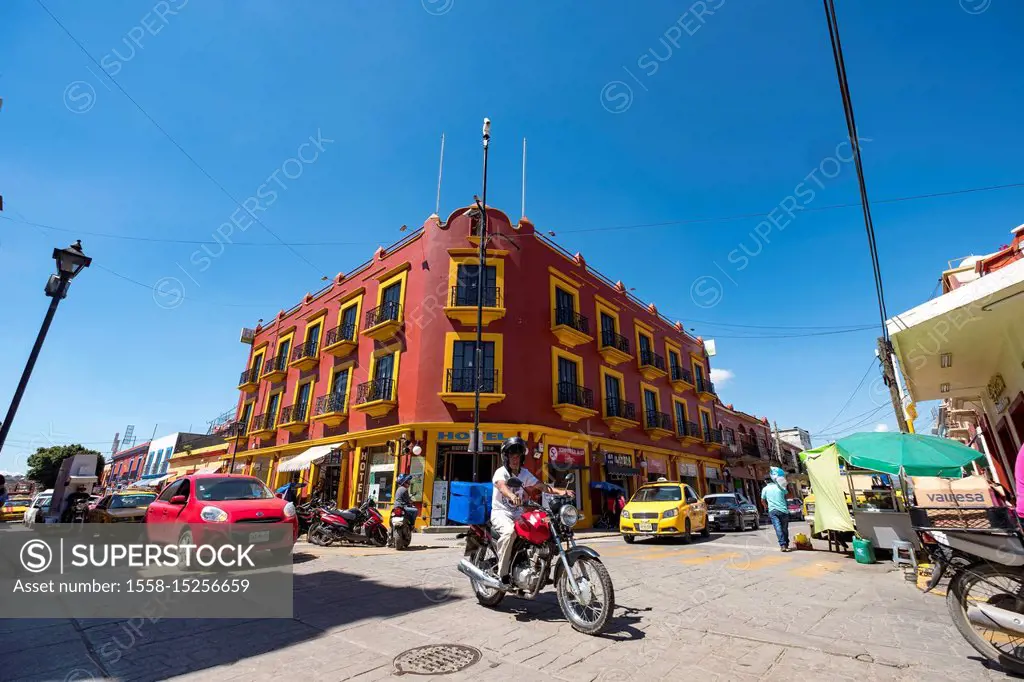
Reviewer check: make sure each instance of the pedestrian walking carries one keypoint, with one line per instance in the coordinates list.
(778, 511)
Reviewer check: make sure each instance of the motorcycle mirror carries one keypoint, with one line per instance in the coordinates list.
(569, 478)
(514, 483)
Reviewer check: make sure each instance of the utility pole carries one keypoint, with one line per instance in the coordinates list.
(476, 446)
(778, 442)
(889, 375)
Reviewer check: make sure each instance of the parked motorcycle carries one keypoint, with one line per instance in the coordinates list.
(361, 525)
(307, 514)
(985, 597)
(402, 521)
(544, 552)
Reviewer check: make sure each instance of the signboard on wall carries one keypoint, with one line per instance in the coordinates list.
(687, 470)
(439, 503)
(656, 465)
(464, 436)
(361, 480)
(709, 472)
(561, 456)
(618, 459)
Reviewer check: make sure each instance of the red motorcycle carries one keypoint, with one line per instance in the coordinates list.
(544, 552)
(362, 525)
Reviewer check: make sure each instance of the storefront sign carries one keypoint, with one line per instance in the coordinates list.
(996, 386)
(333, 459)
(361, 479)
(687, 470)
(616, 459)
(656, 466)
(566, 457)
(460, 436)
(710, 472)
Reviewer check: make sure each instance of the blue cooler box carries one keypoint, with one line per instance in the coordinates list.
(469, 503)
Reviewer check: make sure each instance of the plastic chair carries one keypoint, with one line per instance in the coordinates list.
(903, 554)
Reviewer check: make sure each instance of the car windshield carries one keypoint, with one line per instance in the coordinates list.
(721, 501)
(661, 493)
(131, 501)
(224, 489)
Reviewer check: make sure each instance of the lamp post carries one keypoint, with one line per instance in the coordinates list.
(477, 446)
(70, 262)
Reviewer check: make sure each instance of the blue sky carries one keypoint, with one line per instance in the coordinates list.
(635, 114)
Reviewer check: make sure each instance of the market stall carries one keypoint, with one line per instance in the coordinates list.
(860, 482)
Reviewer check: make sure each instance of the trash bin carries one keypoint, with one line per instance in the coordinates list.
(863, 551)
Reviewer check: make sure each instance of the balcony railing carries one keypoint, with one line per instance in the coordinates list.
(571, 318)
(343, 332)
(613, 340)
(749, 447)
(291, 414)
(263, 422)
(463, 380)
(330, 403)
(378, 389)
(574, 394)
(249, 376)
(713, 436)
(652, 359)
(690, 429)
(386, 312)
(235, 429)
(657, 420)
(278, 363)
(704, 385)
(305, 350)
(463, 296)
(680, 373)
(617, 407)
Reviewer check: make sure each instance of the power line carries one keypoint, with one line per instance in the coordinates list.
(846, 425)
(152, 288)
(850, 399)
(852, 330)
(166, 134)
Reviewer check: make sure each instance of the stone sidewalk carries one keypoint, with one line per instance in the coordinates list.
(728, 608)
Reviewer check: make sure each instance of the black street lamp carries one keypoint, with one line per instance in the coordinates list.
(476, 446)
(70, 262)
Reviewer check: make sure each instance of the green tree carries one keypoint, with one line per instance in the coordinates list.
(44, 463)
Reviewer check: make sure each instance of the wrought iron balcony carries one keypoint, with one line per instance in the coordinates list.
(610, 339)
(617, 407)
(705, 386)
(749, 446)
(386, 312)
(378, 389)
(463, 296)
(572, 319)
(304, 355)
(680, 373)
(657, 420)
(652, 359)
(341, 333)
(689, 430)
(293, 414)
(263, 423)
(235, 429)
(713, 436)
(250, 379)
(277, 365)
(574, 394)
(463, 380)
(330, 404)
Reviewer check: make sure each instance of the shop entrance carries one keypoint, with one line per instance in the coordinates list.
(455, 463)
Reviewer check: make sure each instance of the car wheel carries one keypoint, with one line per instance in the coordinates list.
(629, 539)
(687, 537)
(185, 538)
(705, 532)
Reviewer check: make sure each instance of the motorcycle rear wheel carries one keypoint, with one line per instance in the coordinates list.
(401, 539)
(1005, 649)
(593, 617)
(485, 559)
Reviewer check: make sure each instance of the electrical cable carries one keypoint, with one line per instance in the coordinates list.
(847, 424)
(152, 288)
(850, 399)
(166, 134)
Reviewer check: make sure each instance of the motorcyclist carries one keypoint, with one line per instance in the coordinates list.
(80, 495)
(506, 504)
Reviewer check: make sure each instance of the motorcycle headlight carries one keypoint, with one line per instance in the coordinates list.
(625, 514)
(289, 510)
(213, 514)
(568, 515)
(670, 514)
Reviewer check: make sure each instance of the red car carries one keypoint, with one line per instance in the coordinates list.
(195, 510)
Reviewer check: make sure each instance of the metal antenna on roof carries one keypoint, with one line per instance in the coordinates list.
(522, 213)
(440, 170)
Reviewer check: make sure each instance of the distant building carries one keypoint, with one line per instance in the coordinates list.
(157, 461)
(797, 437)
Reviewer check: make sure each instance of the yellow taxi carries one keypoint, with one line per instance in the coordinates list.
(15, 508)
(124, 506)
(664, 509)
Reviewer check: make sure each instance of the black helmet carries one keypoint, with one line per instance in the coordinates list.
(512, 446)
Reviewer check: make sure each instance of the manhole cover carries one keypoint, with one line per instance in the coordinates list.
(436, 659)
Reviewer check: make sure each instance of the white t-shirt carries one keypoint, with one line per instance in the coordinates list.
(500, 503)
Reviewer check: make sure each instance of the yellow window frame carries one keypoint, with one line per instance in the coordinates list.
(560, 280)
(711, 421)
(644, 386)
(251, 404)
(642, 329)
(499, 354)
(557, 353)
(349, 365)
(353, 299)
(673, 347)
(694, 364)
(494, 257)
(603, 305)
(382, 352)
(399, 274)
(686, 413)
(606, 371)
(259, 353)
(320, 319)
(298, 386)
(277, 411)
(288, 338)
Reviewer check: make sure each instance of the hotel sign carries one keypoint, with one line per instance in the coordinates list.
(463, 436)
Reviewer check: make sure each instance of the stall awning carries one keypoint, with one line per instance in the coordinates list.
(154, 482)
(303, 460)
(616, 470)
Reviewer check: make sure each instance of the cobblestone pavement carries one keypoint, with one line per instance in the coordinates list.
(731, 607)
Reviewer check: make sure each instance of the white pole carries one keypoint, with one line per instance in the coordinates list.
(523, 212)
(440, 170)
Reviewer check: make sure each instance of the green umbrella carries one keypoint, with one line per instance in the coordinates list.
(909, 453)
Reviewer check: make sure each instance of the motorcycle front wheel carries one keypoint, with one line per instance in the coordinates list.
(379, 536)
(1001, 586)
(589, 612)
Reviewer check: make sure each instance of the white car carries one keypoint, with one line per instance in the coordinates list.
(39, 508)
